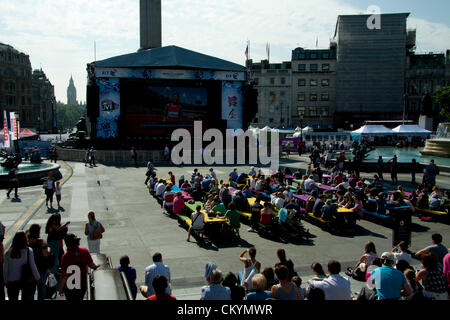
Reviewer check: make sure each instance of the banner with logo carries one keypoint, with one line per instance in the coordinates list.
(142, 73)
(109, 115)
(232, 103)
(14, 126)
(6, 141)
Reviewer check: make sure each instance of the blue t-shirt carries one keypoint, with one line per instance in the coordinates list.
(241, 178)
(282, 216)
(259, 295)
(216, 292)
(130, 274)
(388, 281)
(233, 175)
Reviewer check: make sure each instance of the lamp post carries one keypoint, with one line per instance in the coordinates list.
(405, 96)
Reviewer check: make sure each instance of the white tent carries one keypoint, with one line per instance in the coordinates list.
(307, 129)
(372, 130)
(411, 130)
(267, 128)
(298, 129)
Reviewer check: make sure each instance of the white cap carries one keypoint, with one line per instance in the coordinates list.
(388, 256)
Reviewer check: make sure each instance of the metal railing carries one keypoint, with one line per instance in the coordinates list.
(106, 282)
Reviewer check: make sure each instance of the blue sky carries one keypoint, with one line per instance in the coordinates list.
(59, 35)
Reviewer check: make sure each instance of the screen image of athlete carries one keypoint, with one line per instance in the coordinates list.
(173, 110)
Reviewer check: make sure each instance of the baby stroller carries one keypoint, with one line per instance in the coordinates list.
(292, 229)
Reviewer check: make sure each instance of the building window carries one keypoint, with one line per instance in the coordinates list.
(10, 87)
(256, 80)
(301, 82)
(283, 80)
(312, 111)
(325, 67)
(271, 120)
(324, 96)
(11, 100)
(282, 93)
(324, 112)
(301, 96)
(302, 67)
(301, 56)
(301, 111)
(313, 55)
(325, 82)
(23, 100)
(313, 83)
(325, 55)
(313, 97)
(272, 80)
(313, 67)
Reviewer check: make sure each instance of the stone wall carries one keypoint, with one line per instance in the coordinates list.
(111, 156)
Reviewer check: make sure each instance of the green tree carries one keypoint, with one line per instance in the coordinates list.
(442, 97)
(68, 115)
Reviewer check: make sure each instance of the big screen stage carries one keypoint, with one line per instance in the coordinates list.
(157, 107)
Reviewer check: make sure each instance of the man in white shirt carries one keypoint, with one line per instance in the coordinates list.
(160, 188)
(344, 184)
(310, 184)
(335, 286)
(157, 268)
(258, 185)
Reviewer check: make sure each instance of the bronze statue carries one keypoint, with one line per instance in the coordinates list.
(81, 125)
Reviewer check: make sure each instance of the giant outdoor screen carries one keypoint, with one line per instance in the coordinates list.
(157, 108)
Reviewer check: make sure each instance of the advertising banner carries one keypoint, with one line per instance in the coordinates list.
(109, 114)
(6, 141)
(232, 103)
(289, 142)
(14, 126)
(142, 73)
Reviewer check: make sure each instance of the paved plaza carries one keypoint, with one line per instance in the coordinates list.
(137, 226)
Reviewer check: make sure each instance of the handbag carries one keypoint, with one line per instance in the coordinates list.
(27, 277)
(97, 234)
(50, 287)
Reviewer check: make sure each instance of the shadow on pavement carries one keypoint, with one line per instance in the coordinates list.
(359, 231)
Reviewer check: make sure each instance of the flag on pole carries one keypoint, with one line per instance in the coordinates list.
(246, 52)
(268, 51)
(6, 142)
(14, 128)
(317, 42)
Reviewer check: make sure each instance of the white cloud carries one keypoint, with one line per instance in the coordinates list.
(60, 34)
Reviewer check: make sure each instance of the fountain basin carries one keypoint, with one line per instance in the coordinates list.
(30, 174)
(437, 148)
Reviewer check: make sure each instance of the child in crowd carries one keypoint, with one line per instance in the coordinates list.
(58, 193)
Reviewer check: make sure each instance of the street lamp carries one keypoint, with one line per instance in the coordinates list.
(405, 96)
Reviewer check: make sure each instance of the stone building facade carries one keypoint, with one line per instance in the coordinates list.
(273, 82)
(44, 102)
(313, 87)
(16, 85)
(426, 73)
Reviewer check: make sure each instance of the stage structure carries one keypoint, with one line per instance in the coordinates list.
(150, 93)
